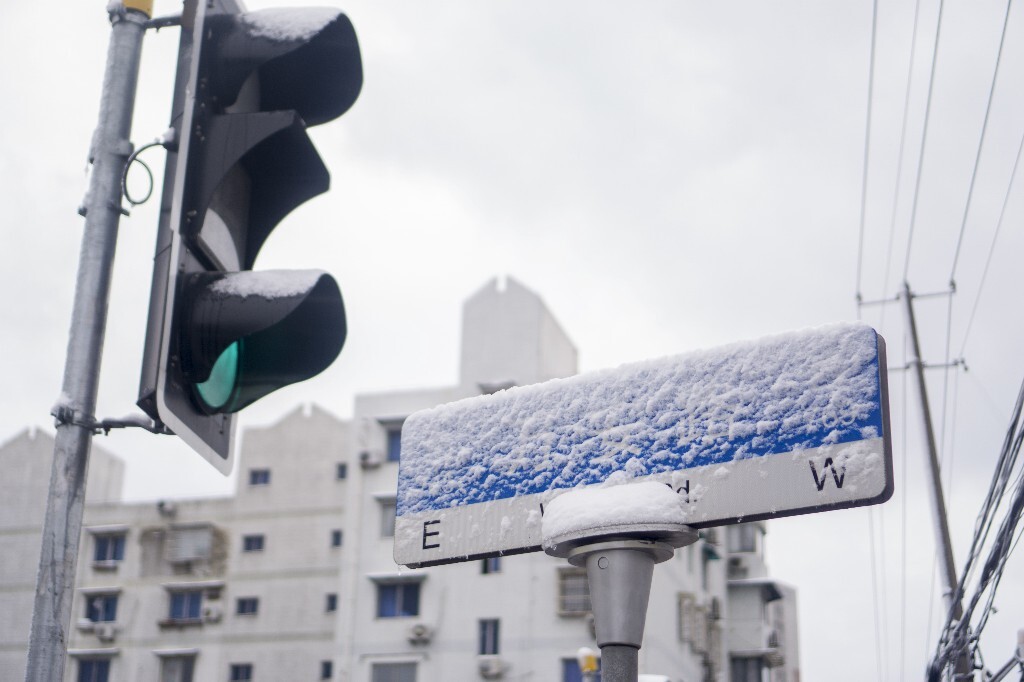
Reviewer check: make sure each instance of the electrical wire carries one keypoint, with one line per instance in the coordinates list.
(932, 595)
(992, 247)
(874, 591)
(134, 158)
(168, 141)
(957, 636)
(924, 143)
(899, 162)
(981, 145)
(903, 519)
(867, 153)
(952, 434)
(883, 564)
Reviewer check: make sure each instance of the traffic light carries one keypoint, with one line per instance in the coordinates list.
(221, 335)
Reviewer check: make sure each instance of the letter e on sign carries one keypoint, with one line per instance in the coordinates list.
(430, 534)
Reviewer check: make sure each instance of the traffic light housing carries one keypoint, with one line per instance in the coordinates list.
(221, 335)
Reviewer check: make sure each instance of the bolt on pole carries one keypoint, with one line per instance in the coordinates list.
(58, 558)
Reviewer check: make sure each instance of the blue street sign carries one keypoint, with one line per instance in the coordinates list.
(785, 425)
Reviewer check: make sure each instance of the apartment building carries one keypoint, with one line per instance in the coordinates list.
(292, 577)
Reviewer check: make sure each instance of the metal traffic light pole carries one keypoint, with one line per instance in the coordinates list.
(74, 411)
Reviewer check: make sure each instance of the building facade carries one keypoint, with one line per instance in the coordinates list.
(25, 461)
(292, 577)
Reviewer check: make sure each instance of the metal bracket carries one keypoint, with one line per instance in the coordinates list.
(163, 22)
(135, 421)
(65, 415)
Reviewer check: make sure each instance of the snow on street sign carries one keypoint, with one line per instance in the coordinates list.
(784, 425)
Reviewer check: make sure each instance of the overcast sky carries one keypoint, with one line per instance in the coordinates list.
(667, 176)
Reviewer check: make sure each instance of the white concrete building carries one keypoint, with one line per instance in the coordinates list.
(762, 622)
(517, 617)
(25, 460)
(292, 577)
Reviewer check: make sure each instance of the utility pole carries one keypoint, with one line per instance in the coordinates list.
(74, 411)
(943, 544)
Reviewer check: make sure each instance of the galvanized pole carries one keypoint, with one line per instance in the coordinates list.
(55, 582)
(943, 544)
(619, 573)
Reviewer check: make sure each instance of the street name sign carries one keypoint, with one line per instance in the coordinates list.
(785, 425)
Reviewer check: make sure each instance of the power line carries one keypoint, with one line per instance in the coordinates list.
(867, 150)
(924, 141)
(903, 520)
(957, 636)
(874, 592)
(899, 161)
(992, 247)
(981, 144)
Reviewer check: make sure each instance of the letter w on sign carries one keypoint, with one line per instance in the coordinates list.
(837, 477)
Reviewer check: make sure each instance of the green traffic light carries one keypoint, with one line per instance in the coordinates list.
(216, 391)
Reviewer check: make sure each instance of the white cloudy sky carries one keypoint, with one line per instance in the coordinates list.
(667, 176)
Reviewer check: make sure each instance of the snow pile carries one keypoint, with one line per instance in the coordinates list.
(598, 507)
(267, 283)
(775, 395)
(286, 24)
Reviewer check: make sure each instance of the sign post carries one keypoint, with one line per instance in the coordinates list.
(785, 425)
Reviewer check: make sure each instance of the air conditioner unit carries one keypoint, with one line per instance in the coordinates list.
(105, 632)
(736, 568)
(212, 613)
(420, 633)
(370, 459)
(166, 508)
(491, 667)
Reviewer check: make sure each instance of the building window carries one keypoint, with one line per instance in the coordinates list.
(745, 670)
(186, 605)
(394, 443)
(335, 538)
(252, 543)
(259, 476)
(743, 537)
(396, 600)
(573, 592)
(177, 668)
(247, 606)
(188, 544)
(490, 565)
(326, 670)
(331, 602)
(488, 637)
(101, 608)
(93, 670)
(240, 672)
(393, 672)
(571, 671)
(341, 473)
(109, 548)
(387, 518)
